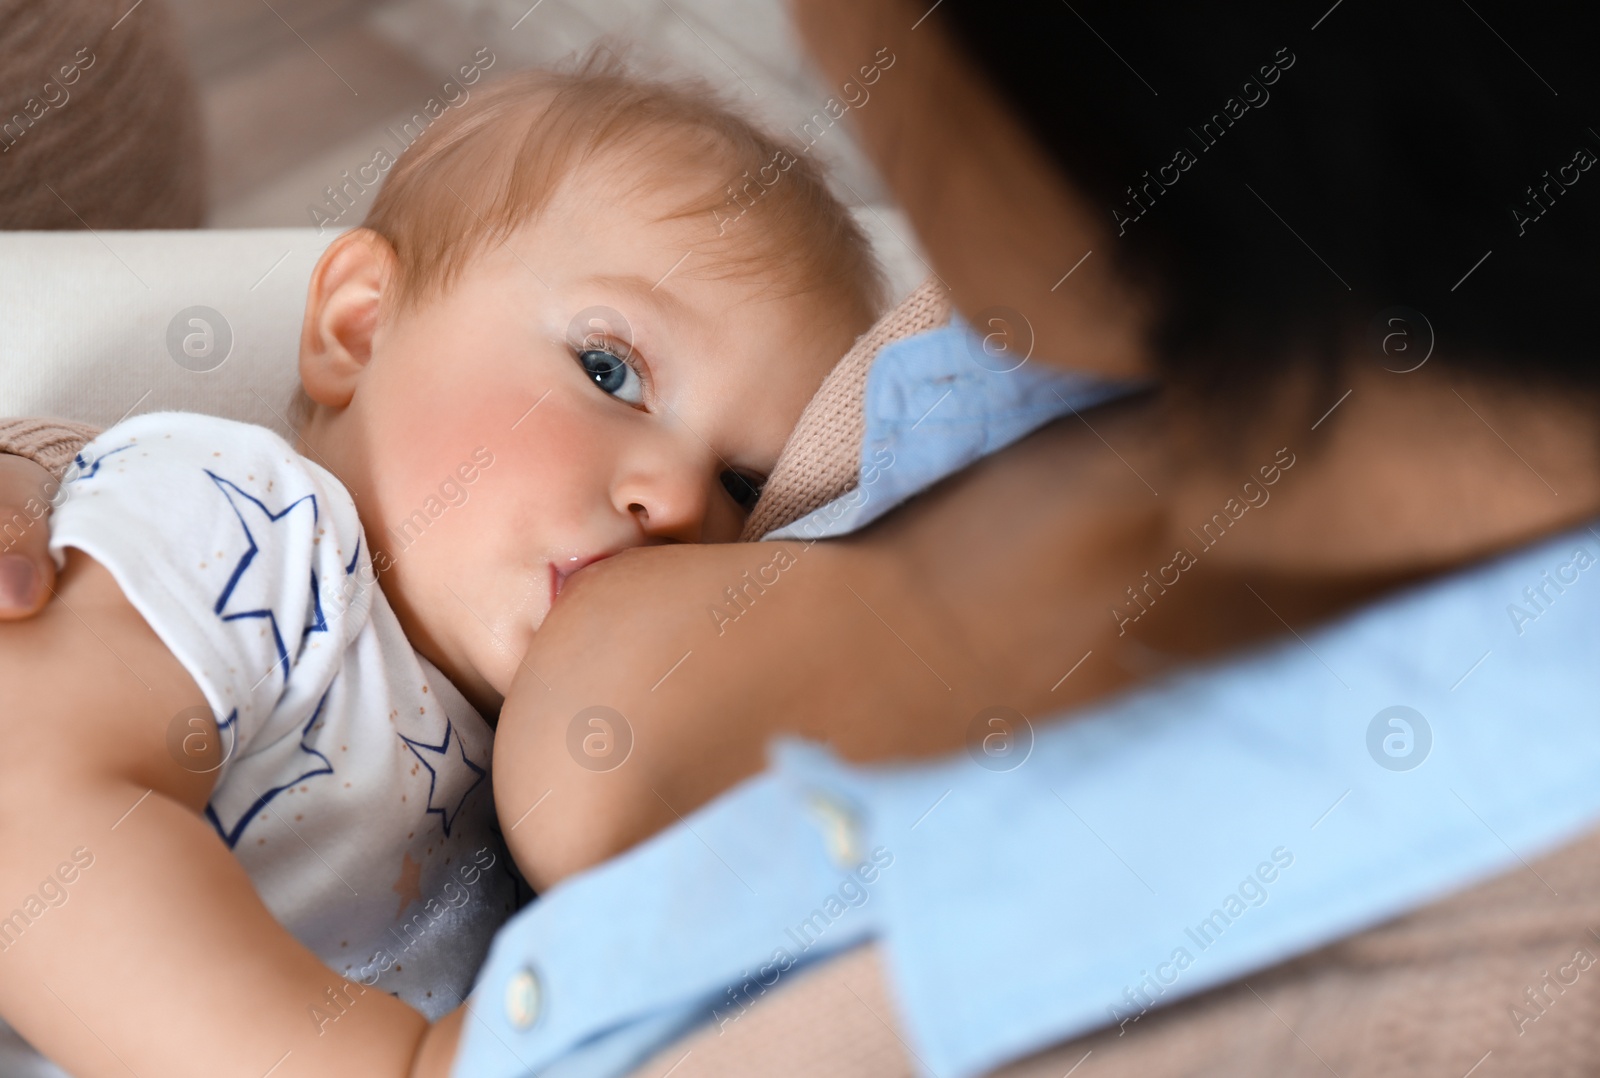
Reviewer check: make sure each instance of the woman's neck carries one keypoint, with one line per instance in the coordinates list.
(1132, 542)
(1407, 475)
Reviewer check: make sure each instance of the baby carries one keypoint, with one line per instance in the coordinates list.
(245, 817)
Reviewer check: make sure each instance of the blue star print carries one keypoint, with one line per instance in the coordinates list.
(442, 752)
(89, 469)
(247, 507)
(231, 833)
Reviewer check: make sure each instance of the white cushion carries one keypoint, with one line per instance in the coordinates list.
(85, 318)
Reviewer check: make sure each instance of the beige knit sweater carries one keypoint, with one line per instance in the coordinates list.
(1486, 983)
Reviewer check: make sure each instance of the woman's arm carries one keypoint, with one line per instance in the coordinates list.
(930, 103)
(134, 939)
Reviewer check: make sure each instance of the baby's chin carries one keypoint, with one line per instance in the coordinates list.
(509, 669)
(517, 678)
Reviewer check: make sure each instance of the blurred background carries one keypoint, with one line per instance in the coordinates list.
(118, 117)
(294, 91)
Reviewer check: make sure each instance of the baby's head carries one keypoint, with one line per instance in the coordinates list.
(583, 315)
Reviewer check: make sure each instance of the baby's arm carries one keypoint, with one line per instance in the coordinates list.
(131, 938)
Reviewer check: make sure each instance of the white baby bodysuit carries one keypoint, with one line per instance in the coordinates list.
(355, 784)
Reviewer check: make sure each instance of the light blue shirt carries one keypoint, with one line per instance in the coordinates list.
(1060, 877)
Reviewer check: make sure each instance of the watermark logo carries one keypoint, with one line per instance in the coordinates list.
(852, 892)
(603, 328)
(999, 738)
(1001, 339)
(197, 743)
(1402, 338)
(1399, 738)
(339, 200)
(1540, 196)
(437, 912)
(199, 339)
(599, 739)
(746, 190)
(1540, 597)
(1543, 994)
(1145, 593)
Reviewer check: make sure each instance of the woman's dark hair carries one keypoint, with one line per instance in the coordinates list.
(1285, 173)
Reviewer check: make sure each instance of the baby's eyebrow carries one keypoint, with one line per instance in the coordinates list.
(644, 290)
(622, 282)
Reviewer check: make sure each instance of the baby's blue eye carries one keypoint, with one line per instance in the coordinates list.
(612, 374)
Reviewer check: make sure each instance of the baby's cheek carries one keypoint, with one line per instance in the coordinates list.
(548, 473)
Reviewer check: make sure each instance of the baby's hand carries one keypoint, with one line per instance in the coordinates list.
(27, 574)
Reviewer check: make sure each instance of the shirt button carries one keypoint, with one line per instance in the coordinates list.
(523, 999)
(841, 829)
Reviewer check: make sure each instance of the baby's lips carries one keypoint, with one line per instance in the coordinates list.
(560, 573)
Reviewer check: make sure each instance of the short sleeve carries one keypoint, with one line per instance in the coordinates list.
(246, 559)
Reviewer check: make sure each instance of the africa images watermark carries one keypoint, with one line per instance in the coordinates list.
(740, 596)
(52, 893)
(1539, 997)
(338, 1000)
(853, 891)
(1211, 533)
(1252, 95)
(1139, 997)
(1541, 198)
(743, 197)
(336, 594)
(451, 493)
(1537, 599)
(56, 492)
(340, 200)
(53, 95)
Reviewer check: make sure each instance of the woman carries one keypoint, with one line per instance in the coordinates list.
(1248, 266)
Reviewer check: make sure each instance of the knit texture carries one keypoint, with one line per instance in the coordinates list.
(99, 119)
(821, 460)
(50, 443)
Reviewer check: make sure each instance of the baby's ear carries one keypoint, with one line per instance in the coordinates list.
(347, 289)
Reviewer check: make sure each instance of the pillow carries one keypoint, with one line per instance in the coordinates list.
(100, 325)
